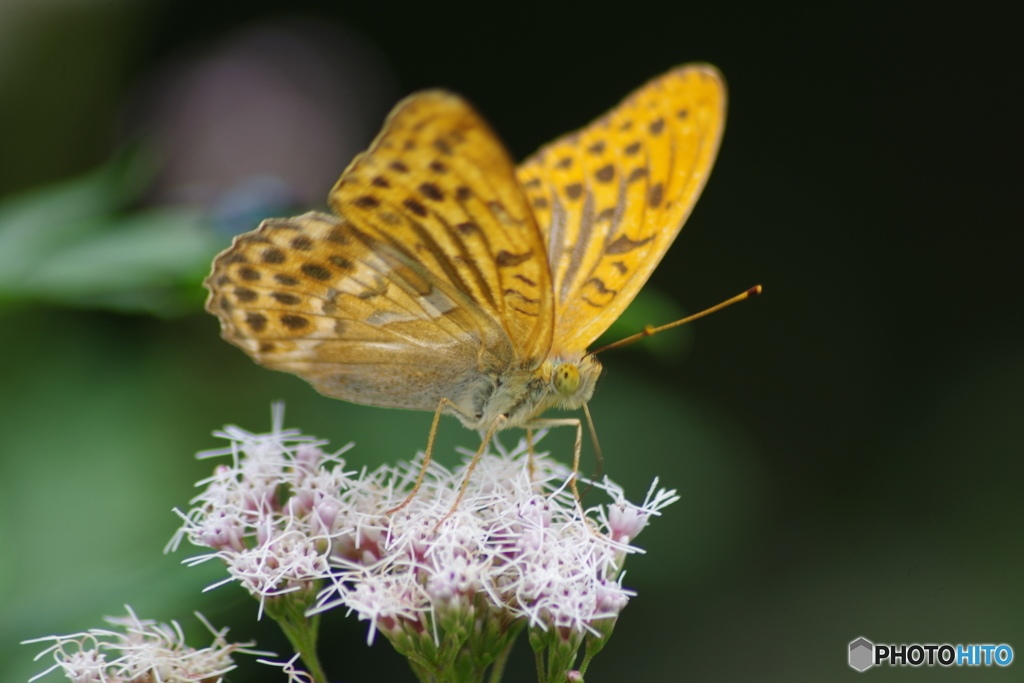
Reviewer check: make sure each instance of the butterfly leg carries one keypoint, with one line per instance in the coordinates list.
(529, 450)
(598, 454)
(544, 423)
(472, 466)
(577, 449)
(444, 402)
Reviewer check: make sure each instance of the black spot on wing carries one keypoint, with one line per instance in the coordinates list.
(636, 174)
(316, 272)
(414, 206)
(367, 202)
(623, 245)
(294, 322)
(654, 201)
(431, 191)
(273, 255)
(257, 322)
(340, 261)
(287, 280)
(285, 298)
(506, 259)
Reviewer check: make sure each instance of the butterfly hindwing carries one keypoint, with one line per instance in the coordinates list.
(316, 296)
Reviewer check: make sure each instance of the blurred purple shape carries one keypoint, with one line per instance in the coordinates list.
(265, 120)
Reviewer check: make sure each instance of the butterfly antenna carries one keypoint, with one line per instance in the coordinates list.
(649, 330)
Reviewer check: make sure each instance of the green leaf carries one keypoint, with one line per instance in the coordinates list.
(72, 244)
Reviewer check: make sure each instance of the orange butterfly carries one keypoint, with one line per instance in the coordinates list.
(451, 281)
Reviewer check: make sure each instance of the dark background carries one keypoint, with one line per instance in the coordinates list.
(848, 446)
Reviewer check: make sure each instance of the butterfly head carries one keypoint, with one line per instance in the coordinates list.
(571, 381)
(566, 379)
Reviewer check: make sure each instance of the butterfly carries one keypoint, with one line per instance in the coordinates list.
(449, 280)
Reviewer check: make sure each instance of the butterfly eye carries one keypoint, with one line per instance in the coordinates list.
(566, 379)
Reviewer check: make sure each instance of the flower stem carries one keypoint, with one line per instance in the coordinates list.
(498, 668)
(301, 631)
(538, 656)
(596, 643)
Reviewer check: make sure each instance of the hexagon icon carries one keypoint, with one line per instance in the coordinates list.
(862, 654)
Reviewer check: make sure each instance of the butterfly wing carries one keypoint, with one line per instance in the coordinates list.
(433, 276)
(438, 186)
(611, 198)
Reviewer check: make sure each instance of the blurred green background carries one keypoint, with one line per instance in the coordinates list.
(848, 446)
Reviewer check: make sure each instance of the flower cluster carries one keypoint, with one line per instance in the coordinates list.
(144, 651)
(450, 586)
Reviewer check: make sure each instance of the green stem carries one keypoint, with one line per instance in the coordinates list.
(421, 670)
(594, 646)
(450, 646)
(498, 668)
(301, 631)
(538, 656)
(586, 662)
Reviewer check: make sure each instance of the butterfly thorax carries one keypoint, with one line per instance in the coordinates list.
(521, 394)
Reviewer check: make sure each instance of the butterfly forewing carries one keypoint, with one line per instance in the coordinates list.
(611, 198)
(439, 190)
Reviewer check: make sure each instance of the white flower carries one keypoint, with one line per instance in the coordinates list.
(142, 650)
(624, 520)
(294, 674)
(515, 551)
(270, 516)
(523, 544)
